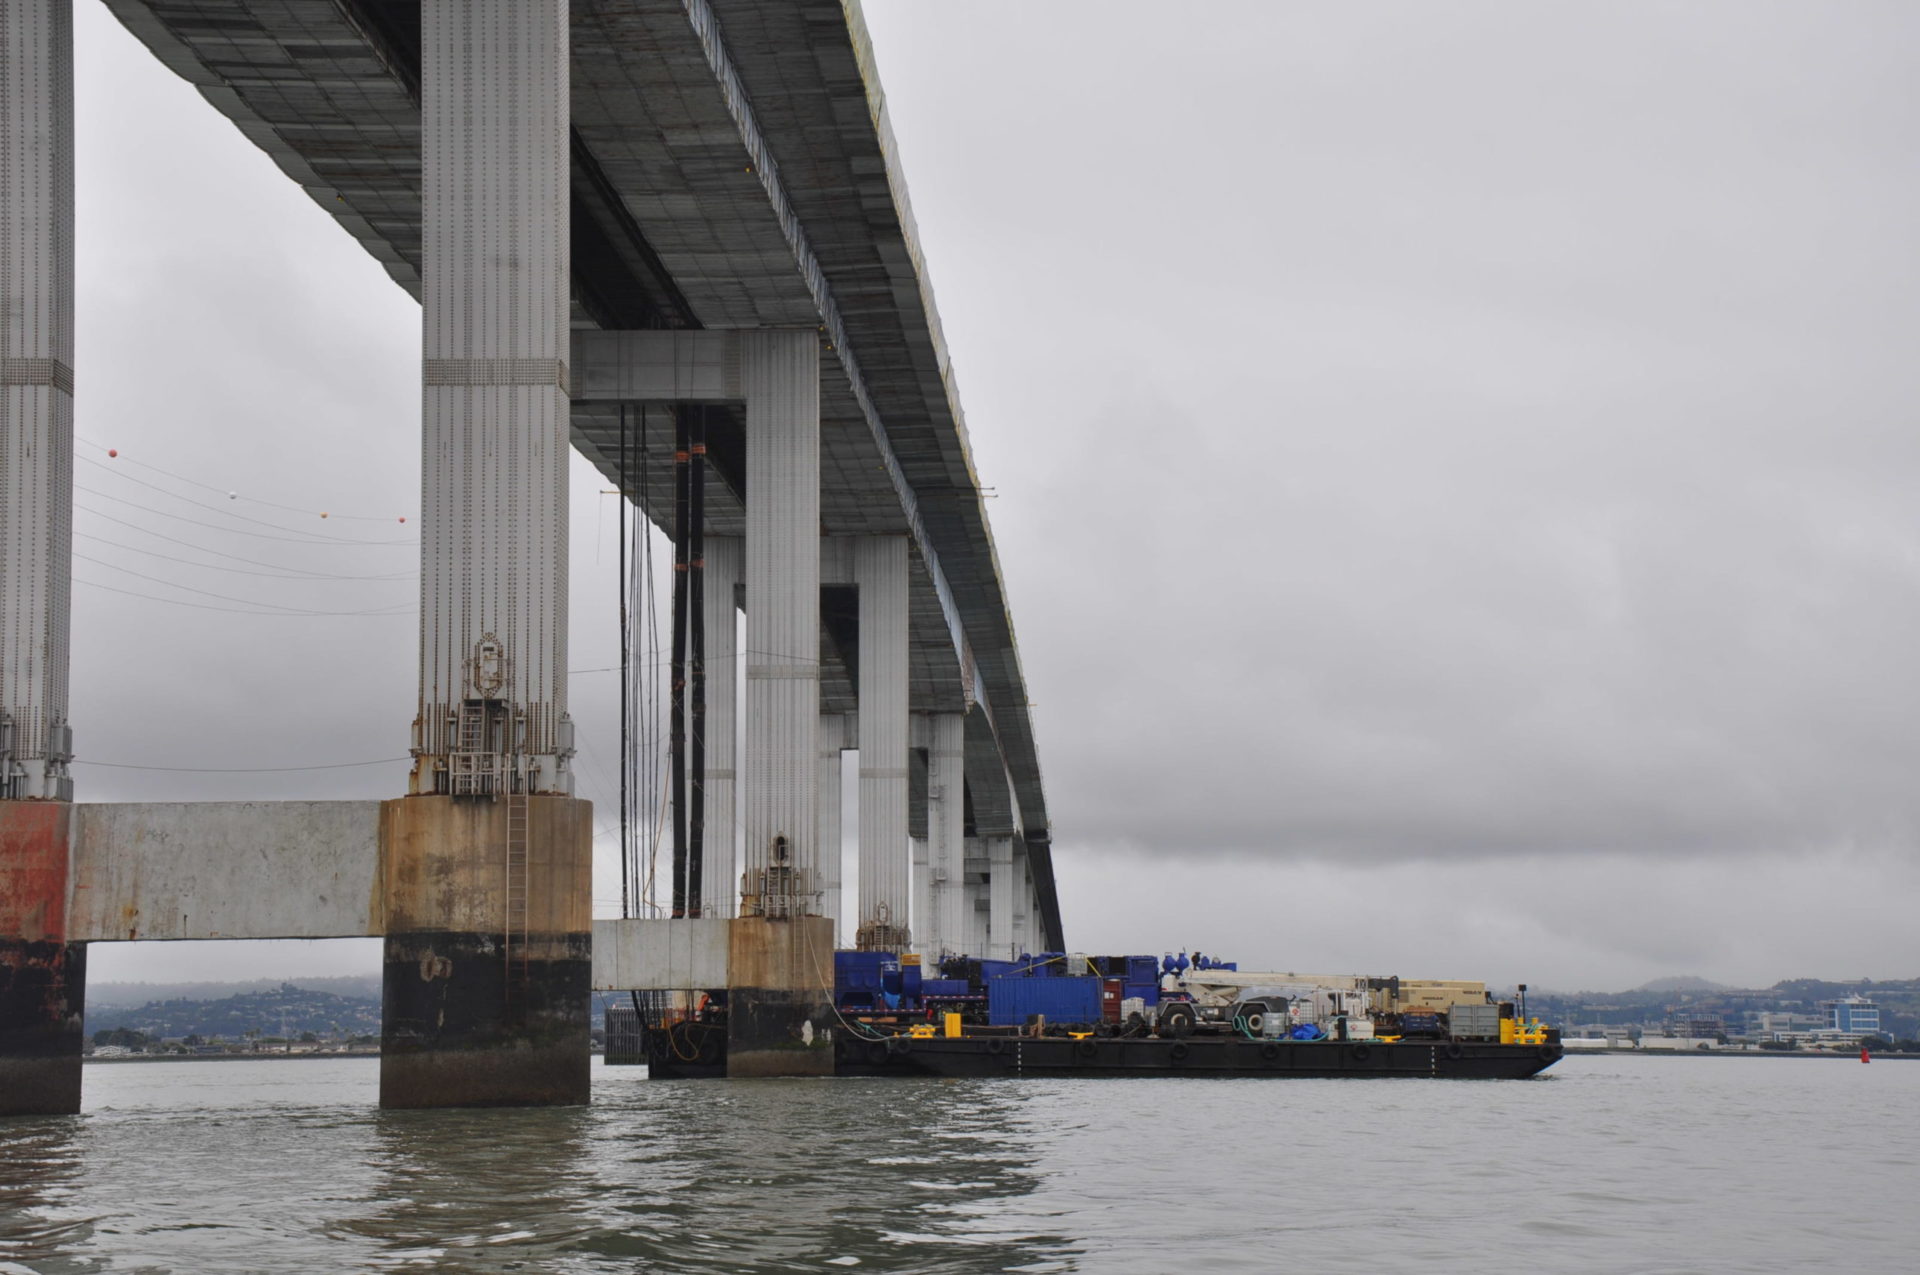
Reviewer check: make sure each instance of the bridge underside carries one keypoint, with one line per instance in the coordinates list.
(732, 166)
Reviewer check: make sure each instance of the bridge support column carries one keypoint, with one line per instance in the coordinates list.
(946, 833)
(36, 396)
(720, 877)
(1026, 916)
(920, 863)
(495, 411)
(1001, 943)
(488, 948)
(42, 976)
(880, 572)
(780, 1001)
(973, 909)
(833, 733)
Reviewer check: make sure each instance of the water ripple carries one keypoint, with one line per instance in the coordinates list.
(1645, 1165)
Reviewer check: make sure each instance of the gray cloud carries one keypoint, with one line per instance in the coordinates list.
(1443, 431)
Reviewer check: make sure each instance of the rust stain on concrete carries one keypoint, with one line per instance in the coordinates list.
(34, 870)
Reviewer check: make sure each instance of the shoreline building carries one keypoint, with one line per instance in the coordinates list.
(1853, 1015)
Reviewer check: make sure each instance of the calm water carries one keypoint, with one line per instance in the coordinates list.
(1605, 1164)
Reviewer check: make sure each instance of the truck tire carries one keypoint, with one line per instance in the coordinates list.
(1176, 1020)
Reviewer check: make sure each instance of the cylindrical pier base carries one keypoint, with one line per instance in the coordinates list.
(43, 978)
(780, 1002)
(489, 953)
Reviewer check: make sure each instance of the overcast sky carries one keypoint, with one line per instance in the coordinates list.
(1454, 469)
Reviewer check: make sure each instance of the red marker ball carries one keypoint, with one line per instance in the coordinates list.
(403, 520)
(111, 453)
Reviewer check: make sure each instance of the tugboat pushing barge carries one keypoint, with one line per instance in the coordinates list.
(1069, 1015)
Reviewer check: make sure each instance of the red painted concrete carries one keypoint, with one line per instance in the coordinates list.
(33, 870)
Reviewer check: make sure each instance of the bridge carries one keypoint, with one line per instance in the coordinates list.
(672, 234)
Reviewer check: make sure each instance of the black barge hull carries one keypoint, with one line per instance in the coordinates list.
(1196, 1056)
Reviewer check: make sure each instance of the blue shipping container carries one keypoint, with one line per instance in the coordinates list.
(1012, 1001)
(862, 971)
(943, 987)
(1148, 992)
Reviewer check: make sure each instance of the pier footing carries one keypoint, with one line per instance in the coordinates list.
(780, 1002)
(43, 978)
(477, 1012)
(42, 986)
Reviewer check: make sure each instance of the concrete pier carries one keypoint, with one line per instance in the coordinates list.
(1001, 944)
(481, 1008)
(833, 740)
(880, 571)
(782, 950)
(488, 868)
(780, 1003)
(720, 873)
(42, 975)
(946, 831)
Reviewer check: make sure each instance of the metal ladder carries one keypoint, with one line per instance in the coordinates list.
(517, 888)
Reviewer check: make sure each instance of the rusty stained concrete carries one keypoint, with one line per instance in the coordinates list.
(284, 869)
(780, 1016)
(444, 864)
(33, 869)
(474, 1015)
(43, 976)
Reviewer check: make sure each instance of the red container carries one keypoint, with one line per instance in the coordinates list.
(1112, 991)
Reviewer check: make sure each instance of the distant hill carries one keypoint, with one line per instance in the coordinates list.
(1681, 983)
(270, 1011)
(104, 995)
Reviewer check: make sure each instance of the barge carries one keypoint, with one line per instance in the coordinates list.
(1064, 1015)
(1216, 1056)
